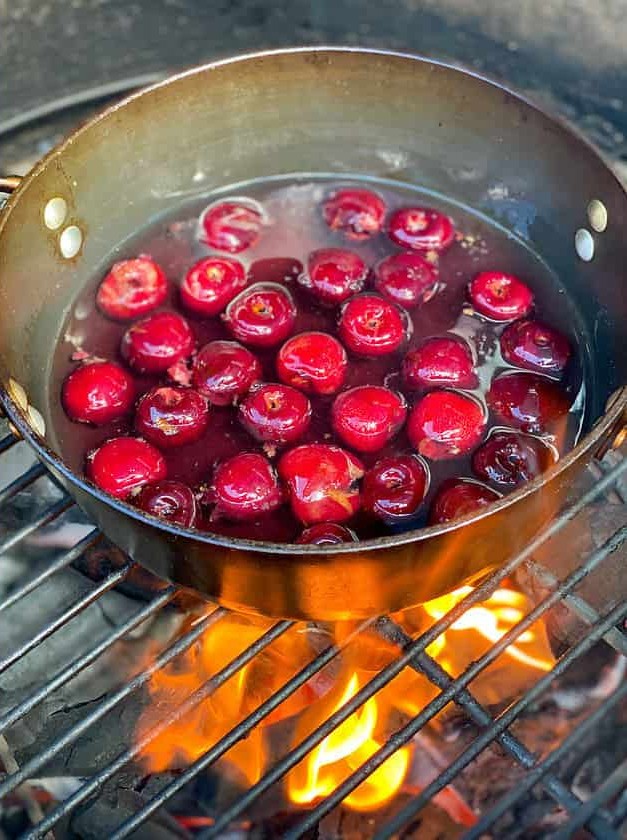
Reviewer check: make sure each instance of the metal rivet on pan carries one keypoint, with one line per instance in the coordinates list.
(584, 244)
(70, 241)
(18, 394)
(36, 421)
(597, 215)
(55, 212)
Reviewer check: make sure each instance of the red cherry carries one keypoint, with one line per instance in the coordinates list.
(171, 500)
(156, 342)
(529, 402)
(372, 326)
(122, 465)
(326, 533)
(406, 279)
(275, 413)
(439, 362)
(511, 458)
(245, 487)
(535, 346)
(445, 424)
(322, 482)
(333, 275)
(395, 486)
(211, 283)
(231, 226)
(224, 371)
(458, 497)
(357, 213)
(262, 315)
(499, 296)
(314, 362)
(368, 417)
(171, 417)
(132, 288)
(421, 229)
(98, 392)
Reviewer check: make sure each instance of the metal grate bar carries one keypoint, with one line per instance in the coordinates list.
(620, 812)
(8, 441)
(50, 514)
(22, 482)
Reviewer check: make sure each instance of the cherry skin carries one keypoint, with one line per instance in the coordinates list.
(421, 229)
(322, 482)
(535, 346)
(122, 465)
(171, 500)
(499, 296)
(132, 288)
(357, 213)
(511, 458)
(171, 417)
(156, 342)
(529, 402)
(262, 315)
(372, 326)
(445, 424)
(406, 279)
(326, 533)
(458, 497)
(395, 487)
(245, 487)
(231, 226)
(439, 362)
(98, 393)
(224, 371)
(368, 417)
(211, 284)
(333, 275)
(275, 413)
(313, 362)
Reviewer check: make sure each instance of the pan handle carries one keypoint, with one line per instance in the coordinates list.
(9, 183)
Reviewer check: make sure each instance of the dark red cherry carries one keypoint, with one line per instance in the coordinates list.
(439, 362)
(171, 417)
(368, 417)
(231, 226)
(499, 296)
(529, 402)
(535, 346)
(122, 465)
(262, 315)
(511, 458)
(322, 482)
(458, 497)
(98, 392)
(357, 213)
(333, 275)
(224, 371)
(314, 362)
(245, 487)
(275, 413)
(445, 424)
(211, 284)
(421, 229)
(407, 279)
(372, 326)
(326, 533)
(132, 288)
(156, 342)
(171, 500)
(395, 486)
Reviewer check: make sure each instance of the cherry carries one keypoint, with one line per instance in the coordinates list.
(368, 417)
(123, 465)
(224, 371)
(372, 326)
(322, 482)
(314, 362)
(499, 296)
(511, 458)
(275, 413)
(231, 226)
(357, 213)
(333, 275)
(326, 533)
(421, 229)
(245, 487)
(262, 315)
(535, 346)
(439, 362)
(395, 486)
(132, 288)
(458, 497)
(529, 402)
(171, 417)
(445, 424)
(407, 279)
(156, 342)
(211, 283)
(98, 392)
(171, 500)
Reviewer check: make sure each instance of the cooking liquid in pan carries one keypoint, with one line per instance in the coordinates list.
(296, 227)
